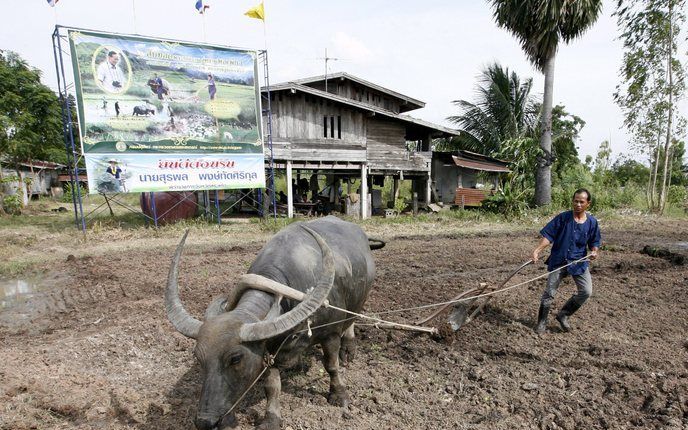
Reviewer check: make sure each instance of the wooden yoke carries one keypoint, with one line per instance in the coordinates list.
(251, 281)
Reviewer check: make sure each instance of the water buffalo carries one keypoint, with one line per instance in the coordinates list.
(143, 110)
(327, 259)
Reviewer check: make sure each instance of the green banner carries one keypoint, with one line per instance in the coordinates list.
(142, 95)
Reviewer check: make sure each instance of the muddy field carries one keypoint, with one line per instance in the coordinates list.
(96, 350)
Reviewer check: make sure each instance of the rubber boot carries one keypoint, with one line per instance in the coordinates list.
(541, 326)
(570, 307)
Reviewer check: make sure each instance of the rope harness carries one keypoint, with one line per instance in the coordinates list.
(433, 305)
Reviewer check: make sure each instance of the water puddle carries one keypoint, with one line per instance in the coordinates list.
(17, 291)
(24, 299)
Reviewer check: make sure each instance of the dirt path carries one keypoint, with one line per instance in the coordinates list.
(98, 353)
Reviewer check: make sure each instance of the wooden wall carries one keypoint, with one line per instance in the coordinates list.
(298, 134)
(298, 129)
(300, 116)
(386, 147)
(358, 92)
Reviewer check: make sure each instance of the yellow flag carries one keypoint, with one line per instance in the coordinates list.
(256, 12)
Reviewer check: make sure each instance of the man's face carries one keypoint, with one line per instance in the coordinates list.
(580, 203)
(114, 59)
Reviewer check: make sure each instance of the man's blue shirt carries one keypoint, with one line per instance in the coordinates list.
(570, 241)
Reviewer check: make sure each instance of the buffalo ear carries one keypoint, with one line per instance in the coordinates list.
(217, 307)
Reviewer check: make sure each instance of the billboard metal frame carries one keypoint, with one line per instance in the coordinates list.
(74, 155)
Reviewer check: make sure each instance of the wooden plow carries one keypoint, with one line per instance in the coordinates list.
(468, 304)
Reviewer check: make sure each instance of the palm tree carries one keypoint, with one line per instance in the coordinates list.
(539, 25)
(503, 109)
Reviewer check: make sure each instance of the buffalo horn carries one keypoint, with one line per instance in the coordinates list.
(178, 316)
(273, 327)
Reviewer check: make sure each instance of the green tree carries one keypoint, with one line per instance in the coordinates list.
(503, 109)
(566, 128)
(653, 82)
(678, 167)
(30, 115)
(540, 25)
(603, 158)
(627, 170)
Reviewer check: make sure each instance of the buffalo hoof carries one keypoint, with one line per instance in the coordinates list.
(339, 398)
(270, 422)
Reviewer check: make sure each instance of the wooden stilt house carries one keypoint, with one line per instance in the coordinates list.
(343, 126)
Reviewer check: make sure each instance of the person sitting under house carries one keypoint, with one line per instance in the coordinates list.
(282, 197)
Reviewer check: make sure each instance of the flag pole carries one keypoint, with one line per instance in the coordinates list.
(265, 33)
(133, 9)
(205, 39)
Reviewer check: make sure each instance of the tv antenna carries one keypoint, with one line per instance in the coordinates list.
(328, 59)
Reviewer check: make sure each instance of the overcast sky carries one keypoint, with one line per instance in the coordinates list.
(431, 50)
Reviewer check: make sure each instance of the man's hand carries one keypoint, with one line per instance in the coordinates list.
(536, 255)
(593, 254)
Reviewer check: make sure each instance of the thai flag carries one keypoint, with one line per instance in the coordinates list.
(52, 3)
(201, 6)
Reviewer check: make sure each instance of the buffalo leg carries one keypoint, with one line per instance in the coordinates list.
(348, 349)
(273, 387)
(337, 395)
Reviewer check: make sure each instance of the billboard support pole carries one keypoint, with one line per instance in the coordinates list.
(155, 212)
(217, 207)
(271, 168)
(68, 133)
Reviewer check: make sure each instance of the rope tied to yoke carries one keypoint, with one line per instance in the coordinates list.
(433, 330)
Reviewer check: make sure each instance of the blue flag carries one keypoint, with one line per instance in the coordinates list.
(201, 6)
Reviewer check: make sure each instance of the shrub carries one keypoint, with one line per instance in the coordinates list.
(12, 204)
(678, 195)
(67, 196)
(507, 201)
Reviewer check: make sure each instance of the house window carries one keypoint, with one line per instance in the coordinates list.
(332, 127)
(339, 126)
(325, 126)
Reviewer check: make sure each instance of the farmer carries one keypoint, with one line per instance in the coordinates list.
(159, 86)
(571, 234)
(212, 89)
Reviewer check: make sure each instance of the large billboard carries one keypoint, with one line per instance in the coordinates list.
(158, 115)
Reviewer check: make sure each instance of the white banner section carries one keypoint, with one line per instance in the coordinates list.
(120, 173)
